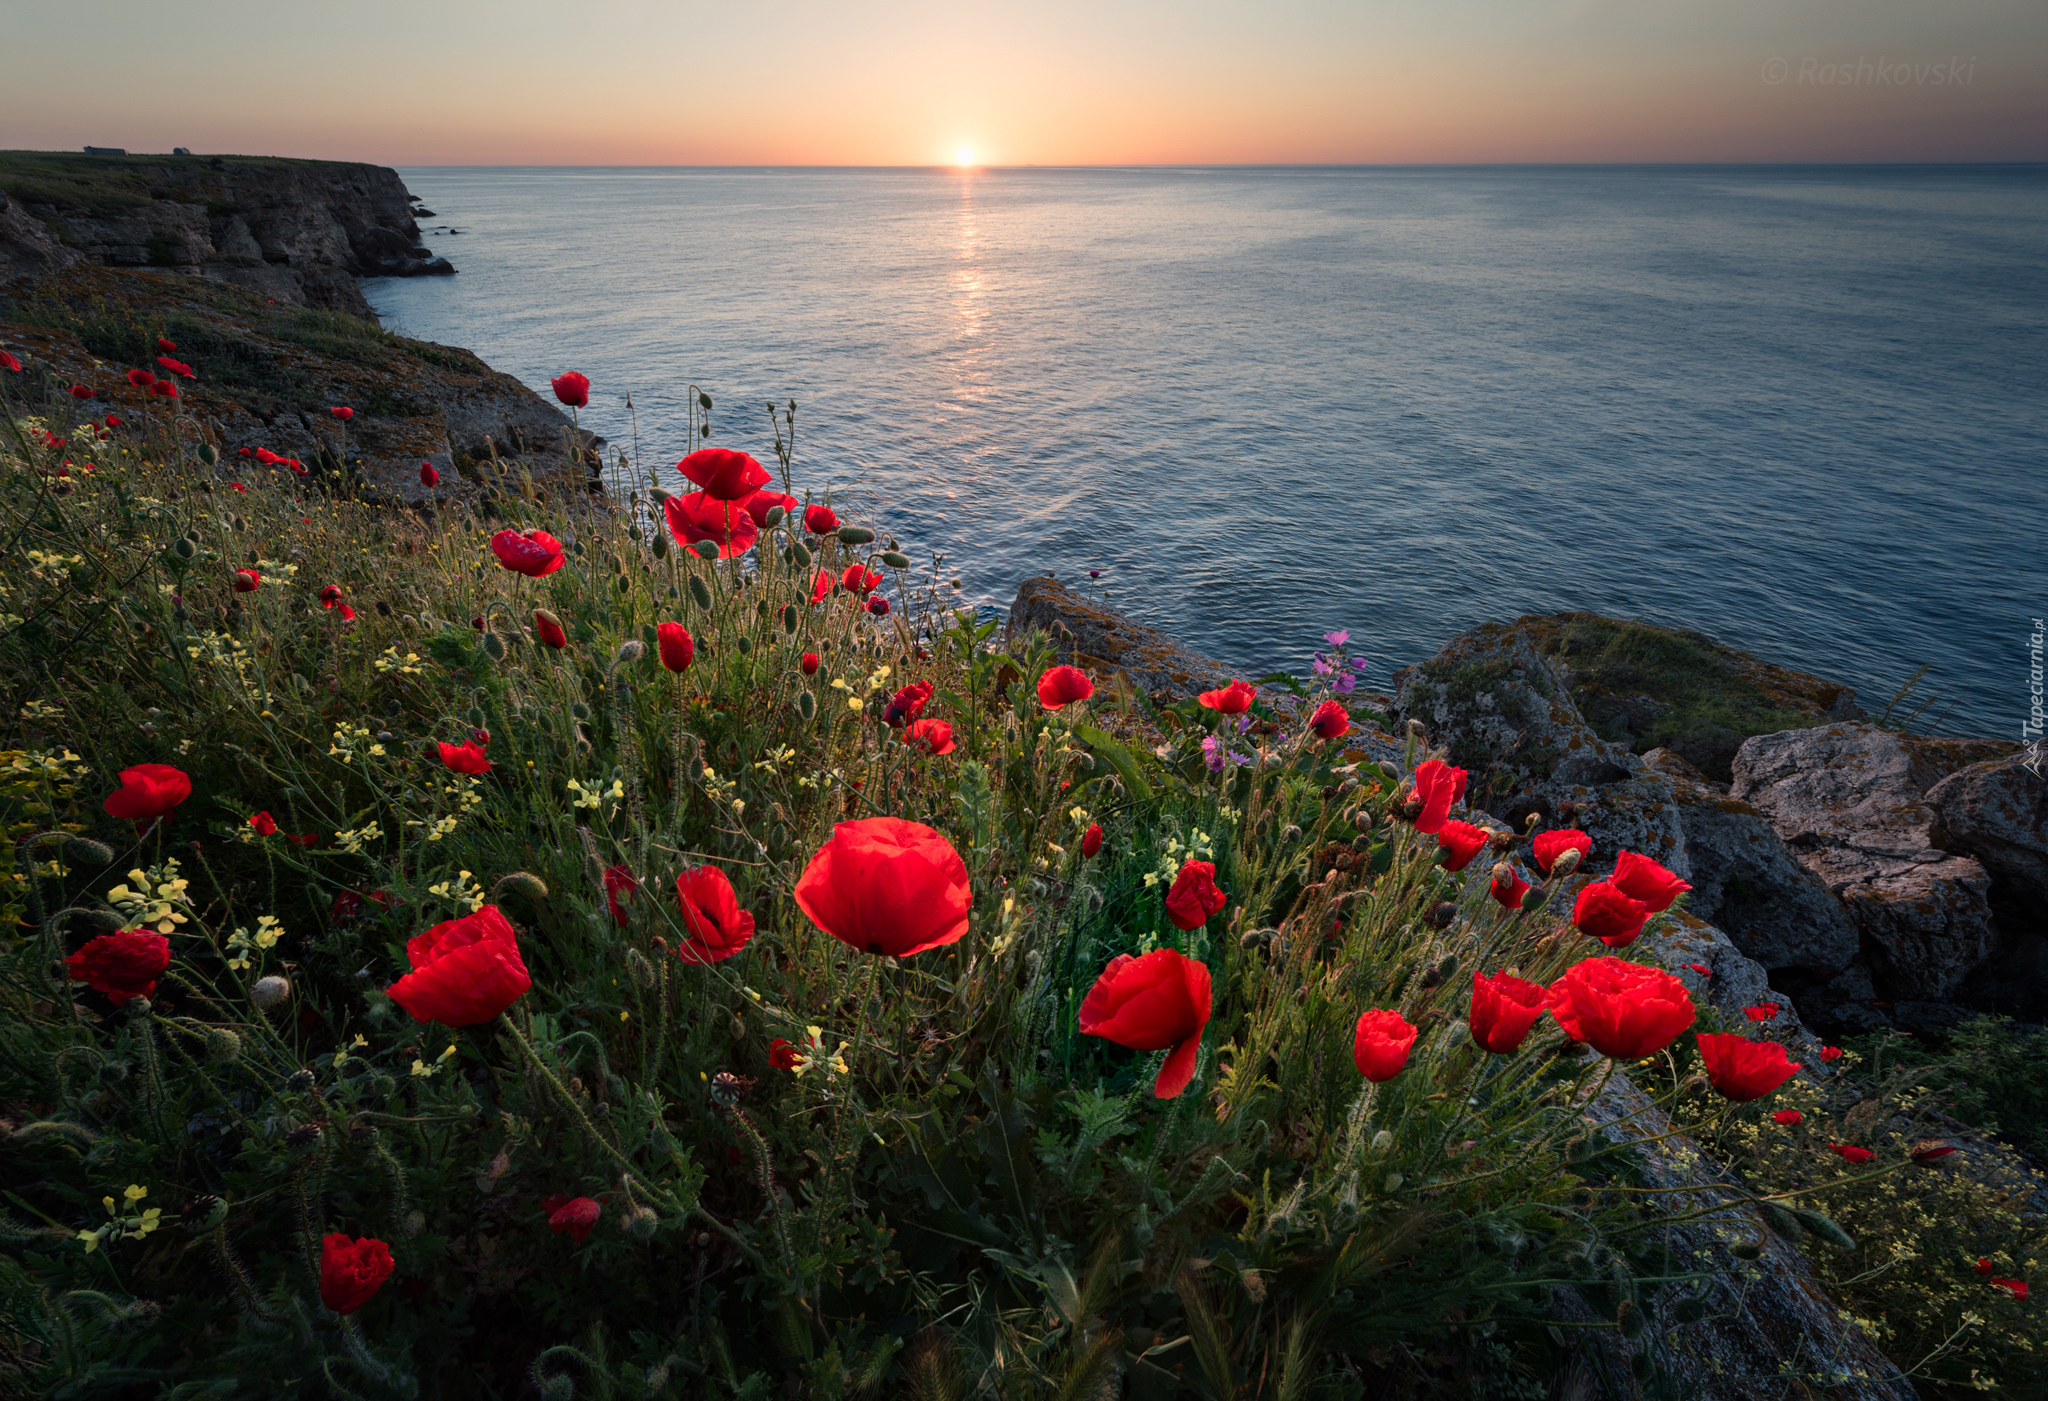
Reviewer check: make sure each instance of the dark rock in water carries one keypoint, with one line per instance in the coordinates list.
(423, 213)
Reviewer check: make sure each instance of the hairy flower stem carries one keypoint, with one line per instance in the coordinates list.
(766, 1172)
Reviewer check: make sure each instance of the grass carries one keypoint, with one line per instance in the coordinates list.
(971, 1199)
(112, 186)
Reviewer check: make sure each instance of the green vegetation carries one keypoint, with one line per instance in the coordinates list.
(808, 1169)
(111, 186)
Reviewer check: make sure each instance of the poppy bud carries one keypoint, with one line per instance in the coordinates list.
(494, 646)
(703, 401)
(270, 992)
(222, 1046)
(799, 555)
(1441, 914)
(894, 560)
(856, 535)
(640, 1222)
(639, 969)
(84, 851)
(700, 591)
(1630, 1319)
(209, 454)
(789, 617)
(183, 548)
(1781, 1221)
(659, 545)
(745, 645)
(1567, 861)
(1823, 1227)
(1746, 1250)
(550, 629)
(705, 549)
(772, 517)
(1689, 1310)
(629, 651)
(807, 705)
(521, 883)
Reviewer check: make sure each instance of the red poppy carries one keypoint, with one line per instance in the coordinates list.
(348, 614)
(907, 704)
(1504, 1008)
(1984, 1266)
(1850, 1153)
(1508, 887)
(619, 887)
(8, 362)
(464, 971)
(887, 886)
(264, 824)
(821, 585)
(243, 452)
(1790, 1118)
(1461, 841)
(725, 475)
(820, 520)
(342, 412)
(1234, 699)
(1932, 1151)
(809, 664)
(237, 486)
(1331, 720)
(467, 757)
(141, 379)
(859, 580)
(1608, 915)
(718, 927)
(878, 606)
(79, 391)
(550, 629)
(1063, 685)
(534, 553)
(1701, 969)
(930, 736)
(303, 838)
(1640, 878)
(699, 517)
(1742, 1069)
(1148, 1004)
(147, 792)
(352, 1271)
(1437, 786)
(1091, 840)
(247, 580)
(166, 347)
(428, 476)
(2015, 1287)
(572, 389)
(1762, 1012)
(1548, 846)
(330, 595)
(176, 367)
(576, 1215)
(114, 421)
(267, 457)
(1621, 1009)
(346, 907)
(678, 649)
(164, 389)
(1830, 1054)
(1194, 896)
(1381, 1044)
(122, 965)
(782, 1054)
(762, 502)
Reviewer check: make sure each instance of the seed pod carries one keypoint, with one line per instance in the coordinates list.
(894, 560)
(789, 620)
(703, 401)
(1630, 1319)
(1535, 899)
(239, 524)
(494, 646)
(625, 585)
(579, 710)
(640, 1223)
(209, 454)
(631, 650)
(799, 554)
(807, 705)
(639, 969)
(1823, 1227)
(302, 1138)
(84, 851)
(772, 517)
(659, 545)
(700, 591)
(745, 645)
(270, 992)
(521, 883)
(855, 535)
(183, 548)
(1441, 914)
(300, 1081)
(202, 1214)
(705, 549)
(1567, 861)
(1449, 967)
(223, 1047)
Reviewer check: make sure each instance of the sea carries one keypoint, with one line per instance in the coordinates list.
(1803, 409)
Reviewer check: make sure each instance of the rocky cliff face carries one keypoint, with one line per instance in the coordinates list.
(298, 232)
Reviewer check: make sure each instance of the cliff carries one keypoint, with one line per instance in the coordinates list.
(297, 232)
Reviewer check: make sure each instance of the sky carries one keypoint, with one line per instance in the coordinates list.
(1048, 82)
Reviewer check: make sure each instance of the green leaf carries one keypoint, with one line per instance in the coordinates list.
(1119, 759)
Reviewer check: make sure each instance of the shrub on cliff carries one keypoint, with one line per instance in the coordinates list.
(536, 952)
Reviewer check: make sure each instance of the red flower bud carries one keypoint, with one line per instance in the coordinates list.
(428, 476)
(1091, 841)
(342, 412)
(1381, 1044)
(572, 389)
(550, 629)
(1850, 1153)
(678, 649)
(809, 664)
(352, 1271)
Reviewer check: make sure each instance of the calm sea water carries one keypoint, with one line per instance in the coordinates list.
(1801, 409)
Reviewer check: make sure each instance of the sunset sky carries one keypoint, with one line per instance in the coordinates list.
(1052, 82)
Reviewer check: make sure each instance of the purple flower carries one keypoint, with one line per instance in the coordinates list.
(1322, 668)
(1339, 638)
(1343, 685)
(1244, 722)
(1095, 573)
(1358, 662)
(1212, 751)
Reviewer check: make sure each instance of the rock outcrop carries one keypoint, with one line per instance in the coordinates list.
(1850, 802)
(268, 374)
(1997, 811)
(298, 232)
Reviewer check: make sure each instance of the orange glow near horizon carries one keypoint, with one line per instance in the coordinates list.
(1058, 82)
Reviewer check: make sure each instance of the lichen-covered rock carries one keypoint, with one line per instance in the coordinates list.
(1488, 699)
(1849, 801)
(1769, 1328)
(1746, 882)
(1997, 811)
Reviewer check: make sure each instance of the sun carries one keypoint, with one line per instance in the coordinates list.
(964, 157)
